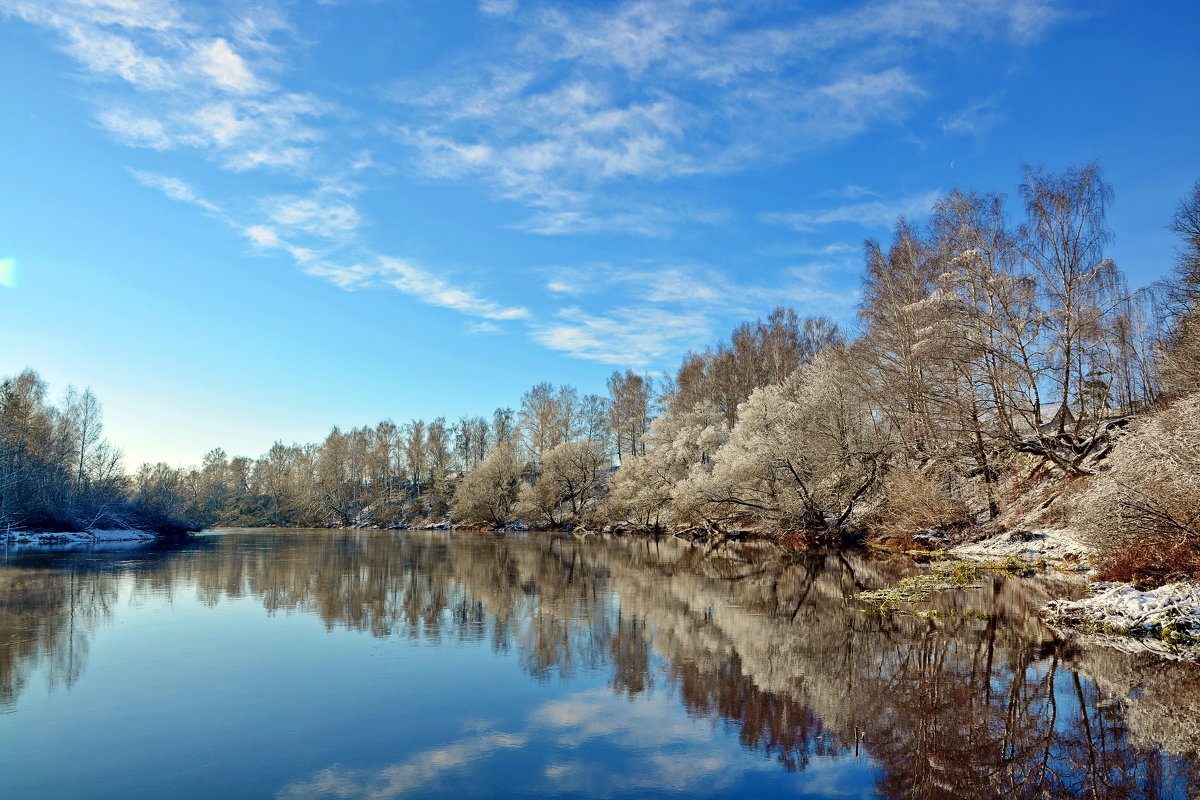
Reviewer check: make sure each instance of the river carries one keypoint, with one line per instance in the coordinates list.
(374, 664)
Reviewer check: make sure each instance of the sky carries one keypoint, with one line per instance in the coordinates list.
(241, 222)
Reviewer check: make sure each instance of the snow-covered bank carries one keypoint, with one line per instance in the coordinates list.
(75, 538)
(1048, 544)
(1165, 620)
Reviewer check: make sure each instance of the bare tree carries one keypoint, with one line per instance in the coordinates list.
(82, 411)
(1181, 351)
(549, 417)
(630, 405)
(1063, 242)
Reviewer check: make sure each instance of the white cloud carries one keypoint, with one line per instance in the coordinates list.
(110, 55)
(974, 120)
(174, 188)
(594, 118)
(497, 8)
(226, 68)
(640, 222)
(872, 214)
(839, 249)
(564, 287)
(402, 275)
(851, 191)
(483, 328)
(637, 336)
(263, 236)
(587, 100)
(325, 217)
(169, 84)
(128, 128)
(331, 219)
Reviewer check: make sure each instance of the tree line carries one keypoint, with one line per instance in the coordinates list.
(997, 341)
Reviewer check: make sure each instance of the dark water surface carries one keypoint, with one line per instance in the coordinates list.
(327, 664)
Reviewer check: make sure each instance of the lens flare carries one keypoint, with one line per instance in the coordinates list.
(8, 272)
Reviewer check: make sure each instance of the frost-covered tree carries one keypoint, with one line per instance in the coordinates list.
(904, 338)
(759, 353)
(630, 411)
(803, 453)
(487, 493)
(643, 490)
(569, 483)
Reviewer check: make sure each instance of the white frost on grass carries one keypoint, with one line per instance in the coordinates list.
(1047, 544)
(1165, 620)
(75, 538)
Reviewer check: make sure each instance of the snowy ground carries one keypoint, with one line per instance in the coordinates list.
(75, 538)
(1165, 620)
(1048, 544)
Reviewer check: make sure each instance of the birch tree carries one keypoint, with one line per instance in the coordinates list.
(1063, 242)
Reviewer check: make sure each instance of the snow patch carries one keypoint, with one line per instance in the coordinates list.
(1047, 544)
(1164, 620)
(75, 538)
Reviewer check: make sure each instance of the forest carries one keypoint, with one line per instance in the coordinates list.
(1001, 364)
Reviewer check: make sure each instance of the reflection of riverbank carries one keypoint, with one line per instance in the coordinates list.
(772, 644)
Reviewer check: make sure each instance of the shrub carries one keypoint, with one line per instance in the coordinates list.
(917, 501)
(1143, 513)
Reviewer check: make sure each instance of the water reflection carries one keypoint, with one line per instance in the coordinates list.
(981, 701)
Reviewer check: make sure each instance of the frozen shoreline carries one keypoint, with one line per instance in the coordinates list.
(75, 538)
(1165, 620)
(1047, 544)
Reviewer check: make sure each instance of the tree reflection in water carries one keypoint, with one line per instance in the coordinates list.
(982, 701)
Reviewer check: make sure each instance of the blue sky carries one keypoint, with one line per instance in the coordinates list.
(241, 222)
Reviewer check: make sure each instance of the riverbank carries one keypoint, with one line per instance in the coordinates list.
(1056, 546)
(1164, 620)
(58, 538)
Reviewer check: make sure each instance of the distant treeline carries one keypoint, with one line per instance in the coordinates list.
(56, 471)
(991, 354)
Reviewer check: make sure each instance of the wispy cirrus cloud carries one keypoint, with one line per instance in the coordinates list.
(323, 216)
(869, 214)
(169, 82)
(589, 99)
(295, 223)
(176, 84)
(174, 188)
(589, 119)
(638, 336)
(497, 8)
(653, 314)
(974, 120)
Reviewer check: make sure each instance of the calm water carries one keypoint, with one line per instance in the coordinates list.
(319, 664)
